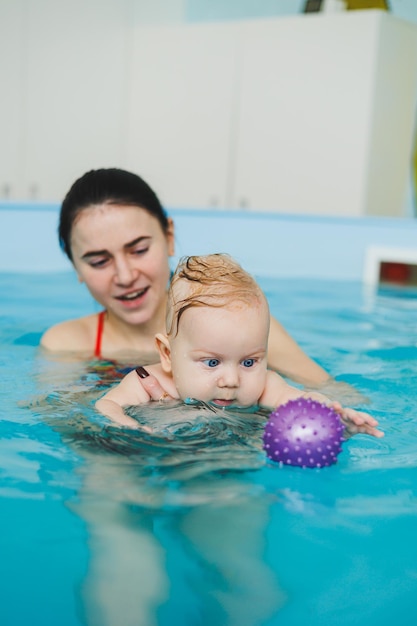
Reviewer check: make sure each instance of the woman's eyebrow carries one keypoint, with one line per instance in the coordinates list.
(130, 244)
(133, 243)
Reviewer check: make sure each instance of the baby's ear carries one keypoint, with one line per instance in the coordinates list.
(164, 349)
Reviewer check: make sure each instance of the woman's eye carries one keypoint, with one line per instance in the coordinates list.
(98, 263)
(248, 362)
(211, 362)
(141, 250)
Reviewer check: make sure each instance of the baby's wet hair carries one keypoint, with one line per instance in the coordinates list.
(214, 280)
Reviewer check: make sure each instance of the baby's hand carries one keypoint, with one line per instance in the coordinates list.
(357, 421)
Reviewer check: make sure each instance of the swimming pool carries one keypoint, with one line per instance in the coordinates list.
(100, 527)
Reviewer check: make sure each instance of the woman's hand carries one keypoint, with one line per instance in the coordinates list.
(152, 386)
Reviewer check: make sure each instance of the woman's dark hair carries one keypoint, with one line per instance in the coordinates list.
(106, 186)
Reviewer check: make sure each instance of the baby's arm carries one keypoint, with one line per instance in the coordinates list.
(356, 421)
(128, 392)
(278, 392)
(140, 386)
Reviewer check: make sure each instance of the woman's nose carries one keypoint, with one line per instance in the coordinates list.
(125, 272)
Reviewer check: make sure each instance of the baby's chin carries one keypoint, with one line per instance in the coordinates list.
(215, 402)
(223, 404)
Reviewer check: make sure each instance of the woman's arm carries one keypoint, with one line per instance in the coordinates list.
(286, 357)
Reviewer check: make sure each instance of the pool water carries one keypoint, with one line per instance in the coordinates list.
(192, 525)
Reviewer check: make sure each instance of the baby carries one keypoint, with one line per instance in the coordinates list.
(215, 349)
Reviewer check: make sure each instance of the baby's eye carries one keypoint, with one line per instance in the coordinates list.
(248, 362)
(211, 362)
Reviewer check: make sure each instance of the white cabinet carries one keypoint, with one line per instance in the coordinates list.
(181, 116)
(326, 114)
(305, 114)
(308, 114)
(306, 102)
(11, 102)
(67, 96)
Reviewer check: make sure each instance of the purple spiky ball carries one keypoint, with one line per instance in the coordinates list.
(305, 433)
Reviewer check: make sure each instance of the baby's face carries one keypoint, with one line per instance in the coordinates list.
(220, 355)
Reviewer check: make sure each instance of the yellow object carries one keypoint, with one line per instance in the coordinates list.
(313, 6)
(352, 5)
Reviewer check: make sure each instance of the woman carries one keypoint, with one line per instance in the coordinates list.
(119, 239)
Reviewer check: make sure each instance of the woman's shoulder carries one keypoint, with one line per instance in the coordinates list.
(77, 335)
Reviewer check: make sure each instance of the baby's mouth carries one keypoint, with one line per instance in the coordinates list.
(219, 402)
(133, 295)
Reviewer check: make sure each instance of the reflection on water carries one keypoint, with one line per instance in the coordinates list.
(198, 495)
(186, 488)
(191, 525)
(195, 454)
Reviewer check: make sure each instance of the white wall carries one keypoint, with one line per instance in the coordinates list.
(159, 11)
(268, 245)
(202, 10)
(210, 10)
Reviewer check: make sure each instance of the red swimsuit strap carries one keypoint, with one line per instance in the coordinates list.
(99, 336)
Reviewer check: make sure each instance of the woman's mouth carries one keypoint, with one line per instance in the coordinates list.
(132, 296)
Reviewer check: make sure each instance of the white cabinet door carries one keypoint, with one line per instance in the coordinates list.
(11, 100)
(393, 120)
(326, 115)
(181, 112)
(75, 97)
(306, 104)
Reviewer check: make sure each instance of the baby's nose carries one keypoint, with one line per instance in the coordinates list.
(229, 377)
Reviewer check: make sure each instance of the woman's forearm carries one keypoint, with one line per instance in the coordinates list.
(287, 358)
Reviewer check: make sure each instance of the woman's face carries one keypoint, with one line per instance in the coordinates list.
(121, 253)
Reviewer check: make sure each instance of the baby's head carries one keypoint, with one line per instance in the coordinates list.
(217, 332)
(214, 280)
